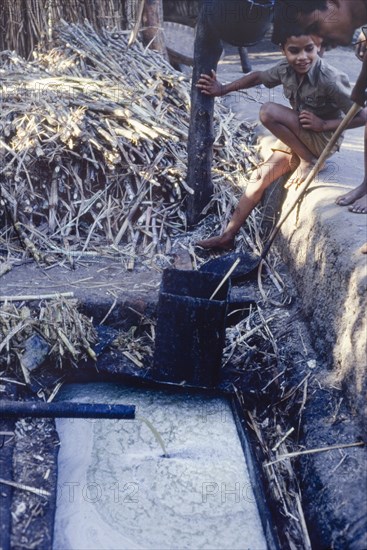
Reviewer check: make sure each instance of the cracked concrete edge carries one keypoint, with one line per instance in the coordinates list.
(320, 244)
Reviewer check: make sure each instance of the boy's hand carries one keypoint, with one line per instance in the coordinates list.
(209, 84)
(309, 121)
(361, 45)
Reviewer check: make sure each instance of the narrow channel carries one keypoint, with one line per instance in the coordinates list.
(116, 490)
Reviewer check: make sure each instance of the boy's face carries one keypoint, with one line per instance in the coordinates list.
(301, 53)
(335, 24)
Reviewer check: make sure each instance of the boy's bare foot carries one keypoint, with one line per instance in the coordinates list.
(352, 196)
(222, 241)
(360, 206)
(363, 248)
(303, 170)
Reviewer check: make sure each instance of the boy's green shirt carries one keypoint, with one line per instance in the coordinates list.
(324, 90)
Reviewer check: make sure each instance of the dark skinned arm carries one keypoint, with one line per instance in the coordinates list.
(309, 121)
(358, 92)
(209, 85)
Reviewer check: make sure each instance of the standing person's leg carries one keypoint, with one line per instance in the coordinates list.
(357, 198)
(278, 164)
(245, 62)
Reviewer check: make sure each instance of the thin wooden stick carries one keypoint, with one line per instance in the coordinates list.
(11, 334)
(228, 274)
(40, 492)
(30, 297)
(134, 32)
(312, 451)
(109, 311)
(277, 445)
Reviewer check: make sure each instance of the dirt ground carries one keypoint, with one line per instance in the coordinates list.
(283, 384)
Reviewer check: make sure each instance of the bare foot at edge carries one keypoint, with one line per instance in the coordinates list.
(301, 173)
(363, 249)
(223, 242)
(352, 196)
(359, 206)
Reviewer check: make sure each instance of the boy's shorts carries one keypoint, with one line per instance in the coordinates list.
(314, 141)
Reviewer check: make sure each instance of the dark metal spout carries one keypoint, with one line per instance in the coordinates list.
(62, 409)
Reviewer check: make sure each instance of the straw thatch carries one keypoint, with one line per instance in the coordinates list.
(66, 334)
(93, 143)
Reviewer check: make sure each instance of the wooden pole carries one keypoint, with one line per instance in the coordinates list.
(153, 26)
(207, 52)
(239, 23)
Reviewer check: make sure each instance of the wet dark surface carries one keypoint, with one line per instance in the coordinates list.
(245, 269)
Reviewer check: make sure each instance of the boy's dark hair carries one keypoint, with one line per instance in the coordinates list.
(287, 32)
(286, 16)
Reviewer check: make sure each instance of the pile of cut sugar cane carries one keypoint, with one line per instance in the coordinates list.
(55, 332)
(93, 142)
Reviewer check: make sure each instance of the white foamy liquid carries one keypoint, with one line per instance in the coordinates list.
(117, 492)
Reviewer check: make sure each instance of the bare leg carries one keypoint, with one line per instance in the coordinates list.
(283, 122)
(357, 198)
(277, 165)
(245, 62)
